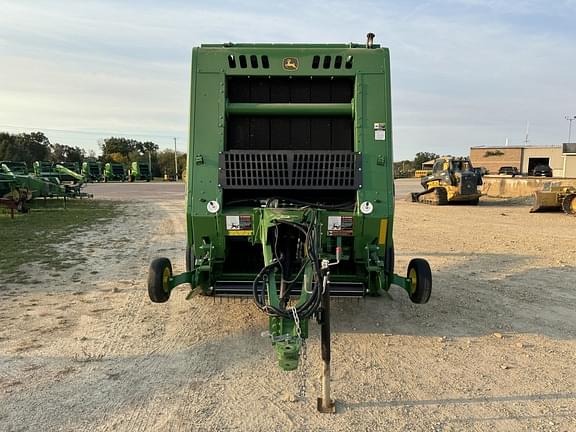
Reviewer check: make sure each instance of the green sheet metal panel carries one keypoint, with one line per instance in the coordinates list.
(212, 65)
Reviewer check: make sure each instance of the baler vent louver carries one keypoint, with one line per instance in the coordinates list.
(289, 170)
(243, 60)
(327, 61)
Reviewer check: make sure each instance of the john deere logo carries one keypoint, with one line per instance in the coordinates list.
(290, 63)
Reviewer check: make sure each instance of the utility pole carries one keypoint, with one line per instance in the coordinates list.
(570, 118)
(527, 129)
(150, 161)
(175, 162)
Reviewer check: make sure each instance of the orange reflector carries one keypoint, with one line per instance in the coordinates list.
(383, 231)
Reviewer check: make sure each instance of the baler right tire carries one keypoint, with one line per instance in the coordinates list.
(569, 204)
(158, 276)
(421, 275)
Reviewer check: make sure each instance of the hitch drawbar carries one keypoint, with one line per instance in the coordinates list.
(325, 404)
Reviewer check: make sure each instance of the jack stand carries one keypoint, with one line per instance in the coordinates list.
(325, 404)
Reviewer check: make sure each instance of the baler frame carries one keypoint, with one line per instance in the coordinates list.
(290, 167)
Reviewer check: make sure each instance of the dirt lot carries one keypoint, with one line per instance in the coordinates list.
(84, 350)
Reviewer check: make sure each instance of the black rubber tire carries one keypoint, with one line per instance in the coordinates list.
(441, 195)
(420, 268)
(569, 204)
(158, 290)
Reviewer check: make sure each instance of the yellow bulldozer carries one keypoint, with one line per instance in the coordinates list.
(453, 180)
(554, 197)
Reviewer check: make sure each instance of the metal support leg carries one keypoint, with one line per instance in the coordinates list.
(325, 404)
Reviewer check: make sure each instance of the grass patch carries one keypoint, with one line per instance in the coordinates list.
(34, 237)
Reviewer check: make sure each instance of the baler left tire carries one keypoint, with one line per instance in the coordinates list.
(421, 278)
(158, 280)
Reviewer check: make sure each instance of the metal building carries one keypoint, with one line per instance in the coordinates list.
(561, 158)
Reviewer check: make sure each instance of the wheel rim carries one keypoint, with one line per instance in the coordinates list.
(165, 278)
(413, 280)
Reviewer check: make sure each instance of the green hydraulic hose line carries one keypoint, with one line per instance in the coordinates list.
(303, 109)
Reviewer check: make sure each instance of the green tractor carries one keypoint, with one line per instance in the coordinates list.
(290, 193)
(139, 171)
(92, 171)
(114, 171)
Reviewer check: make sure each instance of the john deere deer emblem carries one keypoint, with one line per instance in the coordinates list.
(290, 63)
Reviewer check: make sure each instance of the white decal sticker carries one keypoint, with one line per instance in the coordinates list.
(232, 222)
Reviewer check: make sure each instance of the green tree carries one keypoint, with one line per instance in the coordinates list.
(119, 158)
(403, 168)
(166, 162)
(127, 150)
(24, 147)
(65, 153)
(147, 146)
(124, 146)
(422, 157)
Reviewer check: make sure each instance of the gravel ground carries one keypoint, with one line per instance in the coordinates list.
(494, 349)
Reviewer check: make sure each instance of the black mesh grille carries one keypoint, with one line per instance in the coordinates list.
(117, 170)
(289, 170)
(468, 184)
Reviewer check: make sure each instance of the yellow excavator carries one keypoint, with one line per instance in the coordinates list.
(453, 180)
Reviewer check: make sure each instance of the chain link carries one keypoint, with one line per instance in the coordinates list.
(303, 357)
(296, 319)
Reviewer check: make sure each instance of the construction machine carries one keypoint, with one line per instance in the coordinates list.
(554, 197)
(290, 189)
(453, 180)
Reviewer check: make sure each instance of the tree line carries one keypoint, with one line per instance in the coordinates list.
(30, 147)
(406, 168)
(126, 150)
(35, 146)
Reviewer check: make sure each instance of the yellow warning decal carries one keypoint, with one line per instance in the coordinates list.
(383, 231)
(240, 233)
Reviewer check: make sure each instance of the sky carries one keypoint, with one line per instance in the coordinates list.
(464, 72)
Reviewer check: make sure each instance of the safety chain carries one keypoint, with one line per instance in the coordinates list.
(303, 357)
